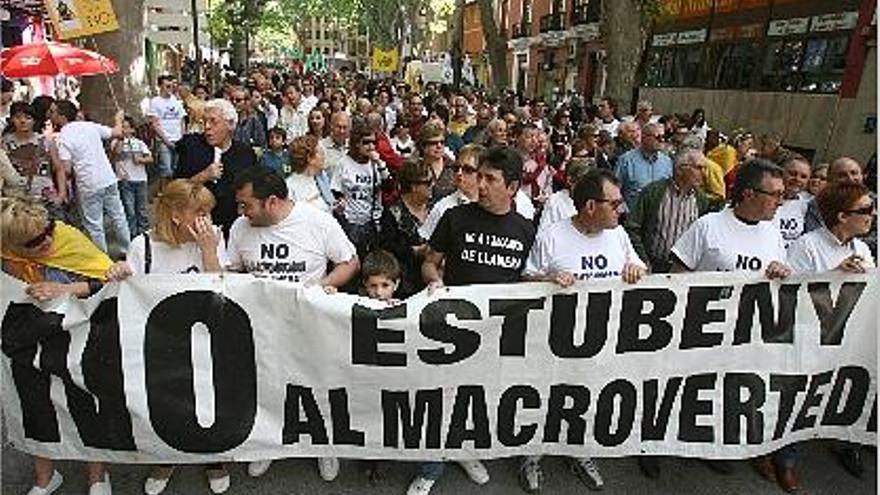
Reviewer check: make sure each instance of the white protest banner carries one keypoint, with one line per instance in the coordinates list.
(213, 368)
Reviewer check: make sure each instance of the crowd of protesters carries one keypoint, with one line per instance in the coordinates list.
(377, 188)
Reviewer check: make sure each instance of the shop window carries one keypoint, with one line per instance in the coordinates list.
(732, 65)
(687, 65)
(782, 65)
(824, 63)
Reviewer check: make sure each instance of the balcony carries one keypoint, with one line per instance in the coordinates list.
(553, 22)
(522, 30)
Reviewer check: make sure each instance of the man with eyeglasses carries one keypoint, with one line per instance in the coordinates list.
(646, 164)
(250, 129)
(666, 208)
(587, 246)
(336, 143)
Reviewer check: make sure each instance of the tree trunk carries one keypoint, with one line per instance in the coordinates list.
(126, 47)
(496, 46)
(456, 47)
(623, 29)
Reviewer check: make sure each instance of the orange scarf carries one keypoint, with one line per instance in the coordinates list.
(71, 251)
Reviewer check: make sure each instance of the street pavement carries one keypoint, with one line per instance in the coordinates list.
(820, 475)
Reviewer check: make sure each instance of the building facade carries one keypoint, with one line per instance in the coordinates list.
(554, 47)
(803, 68)
(341, 46)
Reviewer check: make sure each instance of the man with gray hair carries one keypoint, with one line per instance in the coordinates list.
(222, 160)
(646, 164)
(666, 208)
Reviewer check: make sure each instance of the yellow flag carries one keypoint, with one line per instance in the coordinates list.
(75, 18)
(385, 61)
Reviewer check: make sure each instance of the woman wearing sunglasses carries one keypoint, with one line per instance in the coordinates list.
(55, 260)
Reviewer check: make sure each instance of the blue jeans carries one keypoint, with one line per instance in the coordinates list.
(134, 199)
(431, 470)
(166, 159)
(95, 207)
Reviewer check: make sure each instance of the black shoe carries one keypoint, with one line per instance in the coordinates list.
(719, 466)
(650, 466)
(851, 459)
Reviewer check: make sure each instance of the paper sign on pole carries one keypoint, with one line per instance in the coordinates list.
(76, 18)
(385, 60)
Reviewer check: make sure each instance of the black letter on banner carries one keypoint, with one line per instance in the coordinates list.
(750, 409)
(294, 426)
(804, 419)
(26, 326)
(507, 415)
(562, 320)
(654, 420)
(99, 411)
(631, 318)
(696, 316)
(396, 411)
(605, 410)
(788, 387)
(432, 323)
(470, 403)
(692, 407)
(833, 316)
(342, 432)
(366, 336)
(872, 419)
(780, 332)
(859, 381)
(574, 415)
(169, 371)
(513, 328)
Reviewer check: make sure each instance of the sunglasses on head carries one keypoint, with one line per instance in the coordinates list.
(42, 236)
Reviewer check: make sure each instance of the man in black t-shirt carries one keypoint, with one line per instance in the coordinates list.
(484, 242)
(217, 171)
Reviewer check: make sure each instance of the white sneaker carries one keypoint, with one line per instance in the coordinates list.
(588, 472)
(328, 467)
(101, 487)
(54, 484)
(258, 468)
(476, 471)
(155, 486)
(420, 486)
(219, 484)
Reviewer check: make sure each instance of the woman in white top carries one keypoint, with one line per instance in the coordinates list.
(848, 211)
(182, 240)
(309, 182)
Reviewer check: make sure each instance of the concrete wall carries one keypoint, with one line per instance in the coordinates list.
(804, 120)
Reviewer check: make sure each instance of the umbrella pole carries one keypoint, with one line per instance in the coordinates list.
(106, 74)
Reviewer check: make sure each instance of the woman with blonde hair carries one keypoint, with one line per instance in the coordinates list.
(55, 260)
(182, 240)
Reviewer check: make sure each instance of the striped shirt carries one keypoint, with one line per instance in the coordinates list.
(678, 210)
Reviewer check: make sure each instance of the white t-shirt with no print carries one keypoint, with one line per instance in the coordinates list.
(184, 258)
(82, 144)
(126, 167)
(296, 249)
(560, 247)
(559, 206)
(720, 242)
(820, 251)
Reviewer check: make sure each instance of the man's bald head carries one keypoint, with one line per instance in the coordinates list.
(845, 170)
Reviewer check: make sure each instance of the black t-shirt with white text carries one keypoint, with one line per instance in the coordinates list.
(482, 248)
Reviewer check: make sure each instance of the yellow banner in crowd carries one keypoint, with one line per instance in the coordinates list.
(385, 60)
(75, 18)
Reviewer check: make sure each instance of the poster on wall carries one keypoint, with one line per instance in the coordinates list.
(77, 18)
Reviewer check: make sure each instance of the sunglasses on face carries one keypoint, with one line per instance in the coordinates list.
(368, 142)
(865, 210)
(42, 236)
(433, 143)
(463, 169)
